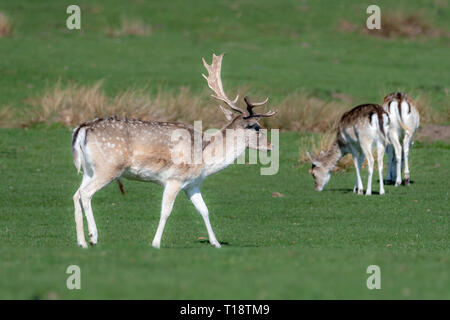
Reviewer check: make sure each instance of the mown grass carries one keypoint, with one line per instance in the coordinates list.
(303, 245)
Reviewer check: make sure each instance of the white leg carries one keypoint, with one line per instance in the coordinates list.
(380, 151)
(358, 161)
(406, 145)
(87, 191)
(196, 197)
(79, 220)
(170, 193)
(398, 159)
(370, 161)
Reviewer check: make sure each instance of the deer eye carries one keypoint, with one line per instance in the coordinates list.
(255, 127)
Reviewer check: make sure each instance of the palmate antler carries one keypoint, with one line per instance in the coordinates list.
(215, 83)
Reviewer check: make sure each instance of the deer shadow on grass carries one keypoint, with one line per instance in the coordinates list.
(348, 190)
(206, 241)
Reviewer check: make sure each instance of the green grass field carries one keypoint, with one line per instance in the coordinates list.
(305, 245)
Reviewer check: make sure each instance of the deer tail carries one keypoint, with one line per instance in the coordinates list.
(122, 189)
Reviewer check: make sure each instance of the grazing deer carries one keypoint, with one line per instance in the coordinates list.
(405, 120)
(107, 149)
(359, 130)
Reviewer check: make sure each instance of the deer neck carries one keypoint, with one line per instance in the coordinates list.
(330, 158)
(219, 152)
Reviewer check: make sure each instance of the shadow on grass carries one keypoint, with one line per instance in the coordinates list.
(348, 190)
(206, 241)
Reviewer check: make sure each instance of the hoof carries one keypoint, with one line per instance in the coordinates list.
(381, 192)
(360, 192)
(156, 245)
(216, 244)
(92, 239)
(407, 182)
(83, 245)
(368, 193)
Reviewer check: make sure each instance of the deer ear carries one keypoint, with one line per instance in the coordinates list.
(228, 114)
(313, 161)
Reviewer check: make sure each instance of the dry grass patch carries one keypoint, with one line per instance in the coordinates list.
(427, 113)
(410, 25)
(395, 24)
(73, 104)
(129, 27)
(6, 27)
(302, 112)
(315, 144)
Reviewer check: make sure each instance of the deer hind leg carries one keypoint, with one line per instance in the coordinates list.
(380, 150)
(358, 159)
(79, 213)
(196, 198)
(86, 192)
(171, 190)
(398, 159)
(406, 146)
(370, 161)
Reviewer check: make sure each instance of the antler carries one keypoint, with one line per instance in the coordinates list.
(215, 82)
(251, 105)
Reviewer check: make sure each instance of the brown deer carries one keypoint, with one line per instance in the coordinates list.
(107, 149)
(359, 130)
(405, 120)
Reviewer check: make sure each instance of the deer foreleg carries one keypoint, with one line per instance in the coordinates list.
(196, 197)
(171, 190)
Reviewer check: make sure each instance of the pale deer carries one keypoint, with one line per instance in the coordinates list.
(405, 120)
(359, 130)
(107, 149)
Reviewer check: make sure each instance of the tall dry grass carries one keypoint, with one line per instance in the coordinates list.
(318, 143)
(72, 104)
(300, 111)
(428, 115)
(6, 26)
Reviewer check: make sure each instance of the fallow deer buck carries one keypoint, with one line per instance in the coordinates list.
(107, 149)
(405, 120)
(359, 130)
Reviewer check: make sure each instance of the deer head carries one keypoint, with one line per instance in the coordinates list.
(320, 173)
(237, 117)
